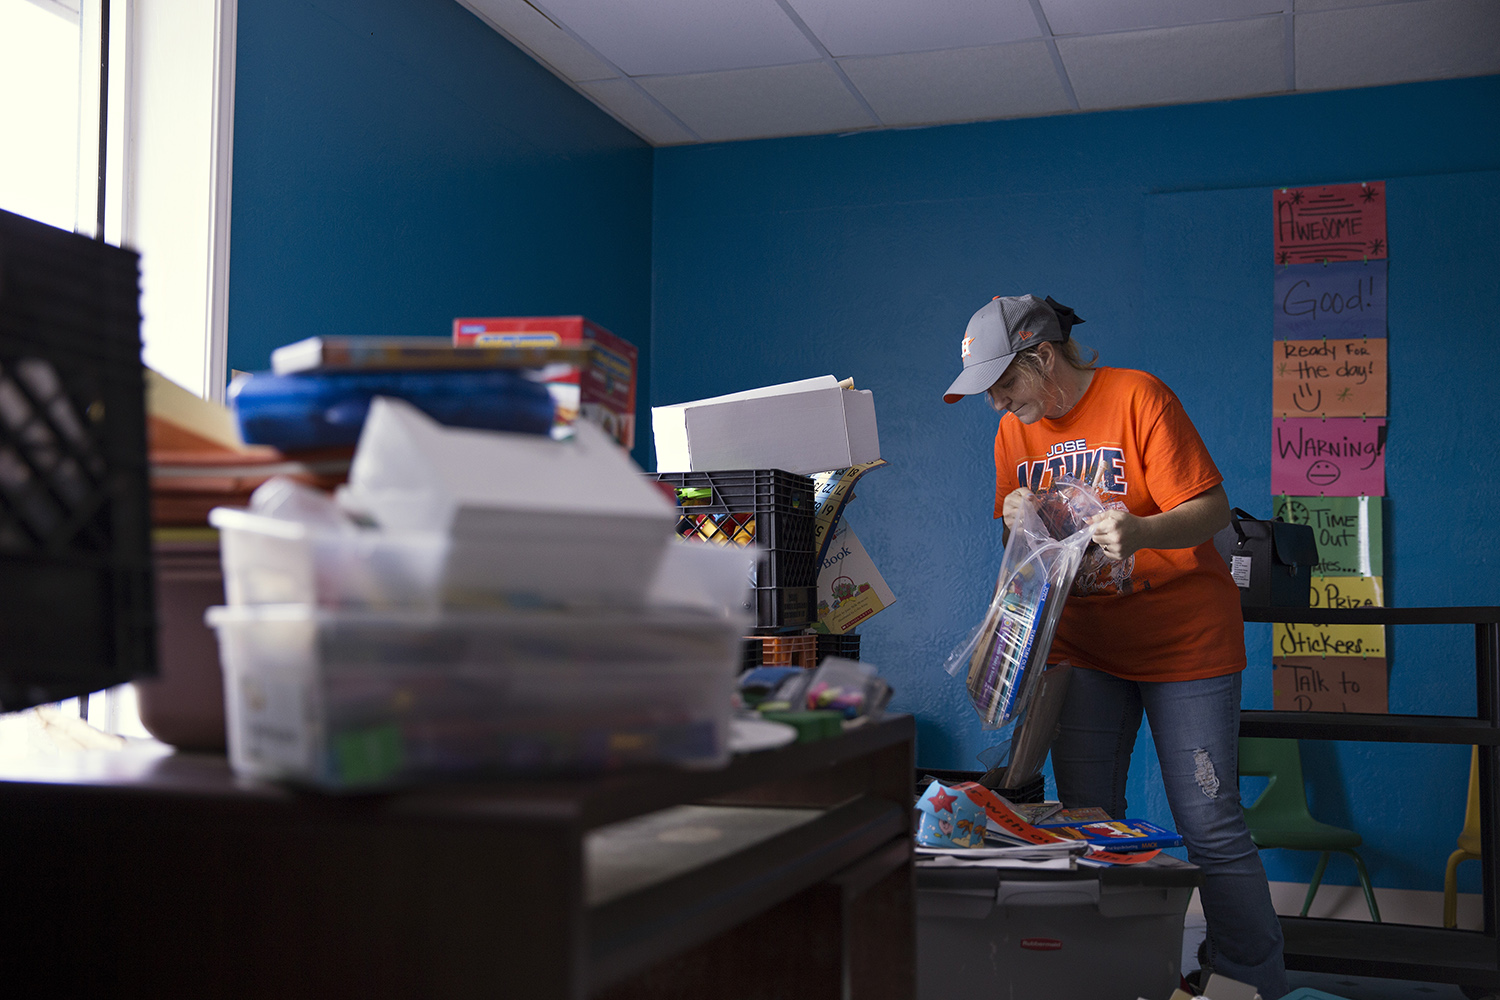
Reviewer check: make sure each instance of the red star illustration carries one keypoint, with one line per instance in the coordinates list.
(942, 800)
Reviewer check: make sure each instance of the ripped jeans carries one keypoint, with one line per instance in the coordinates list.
(1195, 725)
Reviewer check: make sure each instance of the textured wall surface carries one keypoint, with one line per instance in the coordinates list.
(864, 255)
(398, 164)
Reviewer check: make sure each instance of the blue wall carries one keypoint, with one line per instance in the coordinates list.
(398, 164)
(864, 255)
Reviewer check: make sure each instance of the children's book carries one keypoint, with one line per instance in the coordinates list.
(1118, 836)
(1083, 814)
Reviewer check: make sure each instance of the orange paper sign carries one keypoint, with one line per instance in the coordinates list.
(1329, 684)
(1328, 378)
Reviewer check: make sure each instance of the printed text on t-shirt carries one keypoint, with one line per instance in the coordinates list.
(1102, 466)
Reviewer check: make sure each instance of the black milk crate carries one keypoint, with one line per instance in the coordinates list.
(77, 611)
(768, 508)
(785, 607)
(846, 646)
(750, 654)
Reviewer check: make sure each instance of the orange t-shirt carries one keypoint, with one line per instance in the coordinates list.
(1162, 614)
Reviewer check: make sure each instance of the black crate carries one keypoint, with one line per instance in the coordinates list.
(745, 489)
(846, 646)
(77, 611)
(783, 607)
(767, 508)
(750, 654)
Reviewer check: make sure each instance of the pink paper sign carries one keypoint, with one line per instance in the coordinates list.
(1338, 457)
(1329, 223)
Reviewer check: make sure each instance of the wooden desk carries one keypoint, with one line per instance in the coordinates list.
(169, 877)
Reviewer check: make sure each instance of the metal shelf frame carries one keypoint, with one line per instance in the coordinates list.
(1431, 954)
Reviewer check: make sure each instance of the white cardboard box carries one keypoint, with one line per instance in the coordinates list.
(804, 427)
(571, 521)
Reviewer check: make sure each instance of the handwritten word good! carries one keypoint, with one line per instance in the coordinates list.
(1306, 446)
(1329, 303)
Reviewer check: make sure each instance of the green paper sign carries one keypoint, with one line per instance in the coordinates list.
(1349, 532)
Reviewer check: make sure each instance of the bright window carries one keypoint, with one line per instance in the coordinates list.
(39, 111)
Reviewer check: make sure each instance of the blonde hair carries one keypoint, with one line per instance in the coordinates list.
(1031, 373)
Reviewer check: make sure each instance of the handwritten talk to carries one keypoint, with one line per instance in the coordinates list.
(1343, 300)
(1349, 532)
(1328, 378)
(1334, 684)
(1330, 223)
(1340, 456)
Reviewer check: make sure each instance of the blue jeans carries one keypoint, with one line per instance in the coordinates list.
(1195, 725)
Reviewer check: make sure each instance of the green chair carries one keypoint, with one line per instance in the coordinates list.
(1468, 845)
(1279, 816)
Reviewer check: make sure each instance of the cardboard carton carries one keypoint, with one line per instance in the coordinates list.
(804, 427)
(602, 391)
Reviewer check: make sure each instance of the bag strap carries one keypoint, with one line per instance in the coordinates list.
(1239, 513)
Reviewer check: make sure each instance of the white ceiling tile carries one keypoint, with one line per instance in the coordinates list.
(752, 103)
(1396, 43)
(1077, 17)
(624, 100)
(1204, 62)
(649, 37)
(525, 25)
(955, 85)
(882, 27)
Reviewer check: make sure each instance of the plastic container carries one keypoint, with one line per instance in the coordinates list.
(75, 519)
(1106, 933)
(347, 700)
(327, 409)
(269, 560)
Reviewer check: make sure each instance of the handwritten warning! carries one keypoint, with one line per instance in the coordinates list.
(1344, 300)
(1334, 684)
(1349, 532)
(1340, 456)
(1330, 223)
(1328, 378)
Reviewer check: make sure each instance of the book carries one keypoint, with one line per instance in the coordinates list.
(1036, 813)
(1083, 814)
(365, 353)
(1119, 836)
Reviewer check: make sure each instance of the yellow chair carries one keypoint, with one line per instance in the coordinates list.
(1468, 845)
(1279, 816)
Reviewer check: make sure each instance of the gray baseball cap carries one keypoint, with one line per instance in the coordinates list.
(1003, 327)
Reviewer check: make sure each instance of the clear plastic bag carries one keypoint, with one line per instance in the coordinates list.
(1004, 656)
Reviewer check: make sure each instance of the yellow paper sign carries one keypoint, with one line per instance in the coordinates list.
(1347, 592)
(1327, 640)
(1328, 378)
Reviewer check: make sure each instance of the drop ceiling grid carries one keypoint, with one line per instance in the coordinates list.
(682, 71)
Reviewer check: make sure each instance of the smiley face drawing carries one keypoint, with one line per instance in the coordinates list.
(1323, 473)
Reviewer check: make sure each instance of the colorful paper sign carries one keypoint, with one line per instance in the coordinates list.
(1293, 641)
(1341, 300)
(1328, 378)
(1347, 592)
(1330, 223)
(1334, 684)
(1349, 531)
(1340, 456)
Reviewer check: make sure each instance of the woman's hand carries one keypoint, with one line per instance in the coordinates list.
(1119, 533)
(1015, 500)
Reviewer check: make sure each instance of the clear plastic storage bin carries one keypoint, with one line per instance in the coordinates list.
(269, 560)
(360, 699)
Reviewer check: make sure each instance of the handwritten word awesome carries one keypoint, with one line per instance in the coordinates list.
(1321, 230)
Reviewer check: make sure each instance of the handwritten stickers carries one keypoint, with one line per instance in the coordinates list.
(1328, 378)
(1335, 457)
(1330, 223)
(1337, 301)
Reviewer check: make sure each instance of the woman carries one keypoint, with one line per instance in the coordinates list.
(1154, 617)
